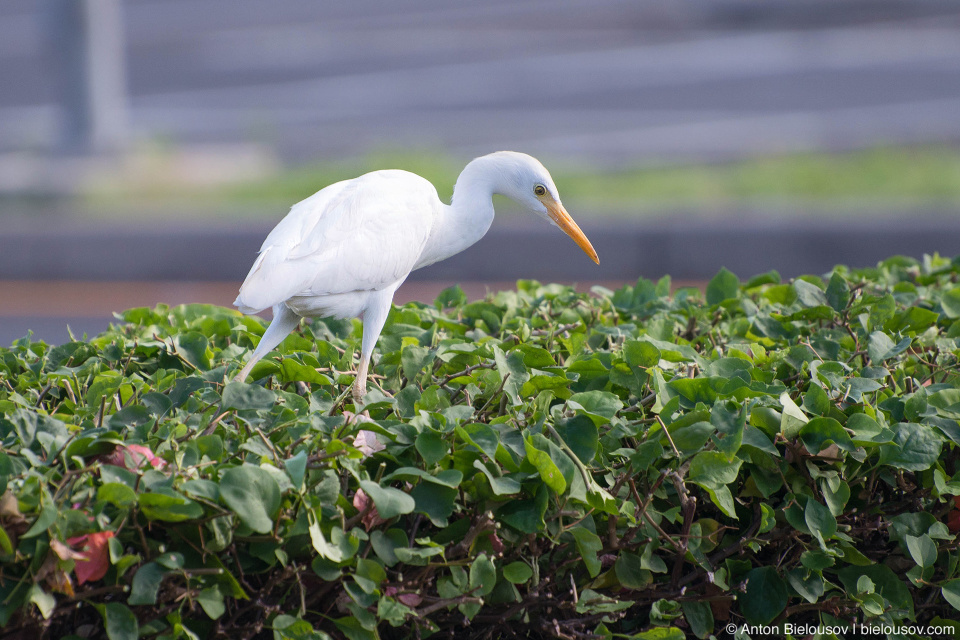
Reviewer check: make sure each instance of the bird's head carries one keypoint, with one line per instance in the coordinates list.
(528, 182)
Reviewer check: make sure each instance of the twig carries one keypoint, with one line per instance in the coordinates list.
(473, 367)
(495, 393)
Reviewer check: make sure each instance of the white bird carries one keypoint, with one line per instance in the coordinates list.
(345, 250)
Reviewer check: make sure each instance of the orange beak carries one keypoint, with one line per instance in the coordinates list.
(560, 216)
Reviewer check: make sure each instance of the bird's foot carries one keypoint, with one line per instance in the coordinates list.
(358, 394)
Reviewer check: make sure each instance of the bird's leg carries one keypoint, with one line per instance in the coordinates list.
(360, 383)
(284, 321)
(374, 316)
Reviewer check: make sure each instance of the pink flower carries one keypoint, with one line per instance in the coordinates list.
(367, 442)
(134, 456)
(361, 501)
(93, 559)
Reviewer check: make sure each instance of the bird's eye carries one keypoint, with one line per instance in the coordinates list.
(540, 190)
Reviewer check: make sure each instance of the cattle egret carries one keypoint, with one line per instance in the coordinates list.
(345, 250)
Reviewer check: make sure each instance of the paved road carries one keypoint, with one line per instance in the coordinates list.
(142, 266)
(599, 81)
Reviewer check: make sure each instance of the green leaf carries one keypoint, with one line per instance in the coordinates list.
(501, 486)
(581, 435)
(434, 500)
(118, 621)
(699, 616)
(6, 544)
(820, 521)
(211, 600)
(880, 347)
(535, 357)
(384, 544)
(866, 430)
(353, 629)
(172, 561)
(816, 401)
(289, 628)
(712, 470)
(836, 493)
(414, 359)
(447, 478)
(517, 572)
(810, 295)
(252, 494)
(690, 438)
(296, 468)
(451, 297)
(512, 372)
(320, 544)
(886, 582)
(767, 518)
(597, 403)
(369, 574)
(951, 593)
(146, 584)
(809, 585)
(394, 612)
(792, 419)
(526, 515)
(293, 371)
(723, 286)
(192, 347)
(630, 571)
(660, 633)
(649, 560)
(103, 386)
(664, 611)
(821, 432)
(838, 293)
(722, 497)
(418, 556)
(480, 436)
(117, 494)
(169, 506)
(766, 596)
(639, 353)
(589, 545)
(646, 454)
(922, 549)
(950, 301)
(915, 447)
(731, 424)
(390, 502)
(593, 603)
(483, 575)
(913, 320)
(431, 446)
(44, 601)
(545, 466)
(240, 395)
(705, 390)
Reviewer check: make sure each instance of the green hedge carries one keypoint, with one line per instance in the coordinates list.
(556, 465)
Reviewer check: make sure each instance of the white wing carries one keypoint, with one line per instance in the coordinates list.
(357, 235)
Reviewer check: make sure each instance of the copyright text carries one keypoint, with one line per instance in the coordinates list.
(860, 628)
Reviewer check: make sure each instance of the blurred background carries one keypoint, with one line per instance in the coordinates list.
(148, 146)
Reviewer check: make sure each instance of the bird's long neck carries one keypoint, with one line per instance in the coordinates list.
(469, 215)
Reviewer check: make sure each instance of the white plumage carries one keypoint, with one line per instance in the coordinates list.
(345, 250)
